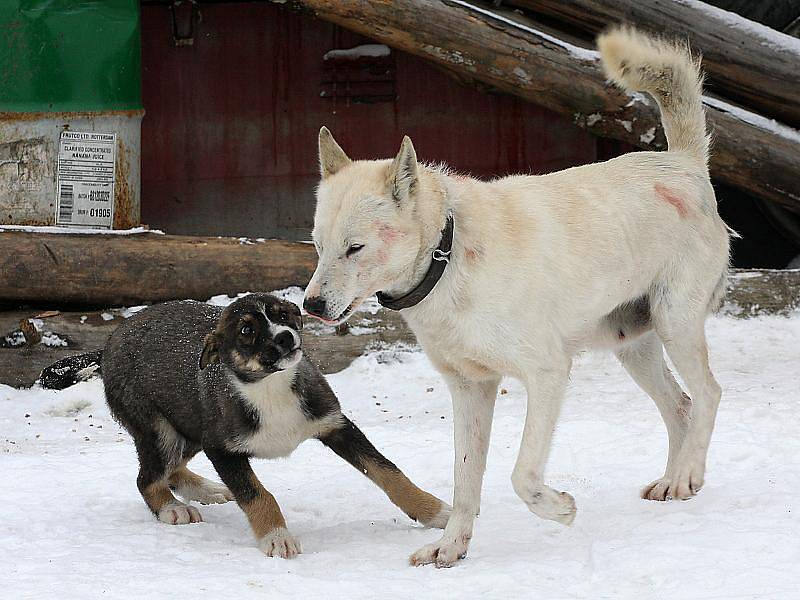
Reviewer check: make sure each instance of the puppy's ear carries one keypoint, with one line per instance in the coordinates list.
(210, 352)
(404, 172)
(331, 156)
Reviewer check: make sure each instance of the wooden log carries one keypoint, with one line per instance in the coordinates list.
(745, 61)
(508, 53)
(114, 270)
(753, 292)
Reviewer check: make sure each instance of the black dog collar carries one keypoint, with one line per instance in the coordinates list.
(440, 257)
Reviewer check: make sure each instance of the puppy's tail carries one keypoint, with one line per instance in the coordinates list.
(668, 72)
(71, 370)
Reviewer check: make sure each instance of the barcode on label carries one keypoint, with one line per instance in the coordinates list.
(66, 201)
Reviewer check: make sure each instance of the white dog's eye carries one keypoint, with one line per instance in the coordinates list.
(353, 249)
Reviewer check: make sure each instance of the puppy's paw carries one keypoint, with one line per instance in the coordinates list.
(439, 520)
(443, 553)
(280, 543)
(176, 513)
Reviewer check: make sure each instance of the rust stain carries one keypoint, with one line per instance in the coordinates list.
(11, 220)
(68, 115)
(124, 217)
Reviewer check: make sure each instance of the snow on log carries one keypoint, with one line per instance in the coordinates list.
(745, 61)
(357, 52)
(508, 53)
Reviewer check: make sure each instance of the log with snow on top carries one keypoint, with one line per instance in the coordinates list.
(745, 61)
(510, 54)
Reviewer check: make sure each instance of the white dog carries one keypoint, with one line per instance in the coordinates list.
(628, 255)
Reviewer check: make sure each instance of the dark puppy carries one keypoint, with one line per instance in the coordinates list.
(185, 376)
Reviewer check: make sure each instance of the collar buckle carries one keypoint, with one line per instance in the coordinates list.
(441, 255)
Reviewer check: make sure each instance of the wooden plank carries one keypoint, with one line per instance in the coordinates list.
(115, 270)
(507, 53)
(748, 62)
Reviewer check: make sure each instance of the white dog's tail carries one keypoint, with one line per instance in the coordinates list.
(668, 72)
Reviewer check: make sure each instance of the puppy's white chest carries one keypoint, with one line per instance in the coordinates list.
(283, 424)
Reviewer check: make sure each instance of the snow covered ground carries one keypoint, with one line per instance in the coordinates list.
(72, 524)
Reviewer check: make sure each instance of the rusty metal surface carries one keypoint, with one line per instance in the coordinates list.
(229, 141)
(29, 145)
(127, 210)
(25, 169)
(67, 116)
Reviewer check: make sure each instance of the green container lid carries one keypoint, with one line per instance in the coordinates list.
(70, 55)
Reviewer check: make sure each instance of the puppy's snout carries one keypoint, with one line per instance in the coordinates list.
(315, 306)
(285, 340)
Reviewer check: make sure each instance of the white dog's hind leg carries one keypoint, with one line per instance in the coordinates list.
(679, 319)
(545, 390)
(689, 353)
(473, 407)
(644, 362)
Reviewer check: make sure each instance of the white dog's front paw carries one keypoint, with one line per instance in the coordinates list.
(656, 490)
(548, 503)
(176, 513)
(680, 485)
(279, 543)
(443, 553)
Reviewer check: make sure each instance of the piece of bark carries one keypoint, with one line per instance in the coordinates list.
(28, 329)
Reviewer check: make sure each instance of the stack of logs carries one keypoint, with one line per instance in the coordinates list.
(509, 49)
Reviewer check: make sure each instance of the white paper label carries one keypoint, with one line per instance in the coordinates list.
(86, 179)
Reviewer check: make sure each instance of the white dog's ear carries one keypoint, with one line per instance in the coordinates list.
(403, 172)
(331, 156)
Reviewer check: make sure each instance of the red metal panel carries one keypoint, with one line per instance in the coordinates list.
(229, 139)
